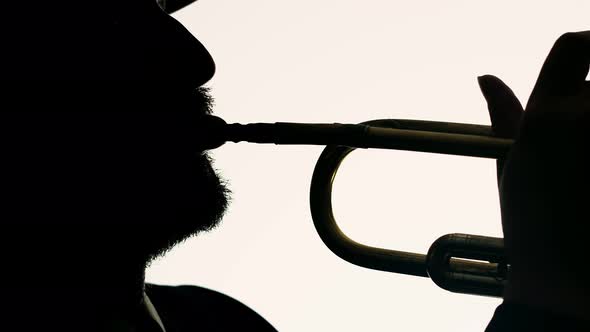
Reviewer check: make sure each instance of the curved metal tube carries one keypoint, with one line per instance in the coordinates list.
(457, 262)
(445, 270)
(475, 277)
(320, 201)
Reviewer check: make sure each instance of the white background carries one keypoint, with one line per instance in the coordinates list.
(351, 61)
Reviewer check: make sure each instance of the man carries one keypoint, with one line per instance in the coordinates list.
(100, 168)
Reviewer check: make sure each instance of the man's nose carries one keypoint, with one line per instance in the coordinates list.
(180, 56)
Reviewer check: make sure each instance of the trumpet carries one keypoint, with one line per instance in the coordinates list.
(461, 263)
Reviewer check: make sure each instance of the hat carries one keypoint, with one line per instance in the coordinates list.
(170, 6)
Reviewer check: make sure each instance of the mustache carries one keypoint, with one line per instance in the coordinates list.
(204, 100)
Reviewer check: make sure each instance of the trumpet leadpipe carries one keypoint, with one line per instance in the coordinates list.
(411, 135)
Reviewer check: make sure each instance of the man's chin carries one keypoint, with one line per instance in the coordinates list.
(197, 208)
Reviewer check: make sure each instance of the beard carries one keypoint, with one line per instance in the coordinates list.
(107, 191)
(198, 206)
(197, 197)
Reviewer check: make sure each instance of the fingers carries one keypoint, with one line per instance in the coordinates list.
(565, 69)
(504, 108)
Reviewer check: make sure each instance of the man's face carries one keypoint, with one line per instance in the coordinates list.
(116, 165)
(176, 191)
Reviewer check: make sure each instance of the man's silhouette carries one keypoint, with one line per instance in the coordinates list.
(100, 168)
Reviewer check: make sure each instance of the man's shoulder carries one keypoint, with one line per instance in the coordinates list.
(193, 308)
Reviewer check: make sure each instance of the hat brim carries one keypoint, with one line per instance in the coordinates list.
(170, 6)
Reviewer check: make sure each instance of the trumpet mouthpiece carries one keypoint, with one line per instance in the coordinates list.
(211, 132)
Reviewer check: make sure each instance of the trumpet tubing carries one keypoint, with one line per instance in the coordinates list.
(411, 135)
(462, 263)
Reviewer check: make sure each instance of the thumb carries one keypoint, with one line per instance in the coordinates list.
(505, 111)
(504, 108)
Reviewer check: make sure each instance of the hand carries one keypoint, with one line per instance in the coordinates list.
(544, 180)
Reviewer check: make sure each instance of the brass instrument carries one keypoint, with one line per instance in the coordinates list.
(462, 263)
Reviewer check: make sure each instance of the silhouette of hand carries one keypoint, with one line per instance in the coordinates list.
(544, 179)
